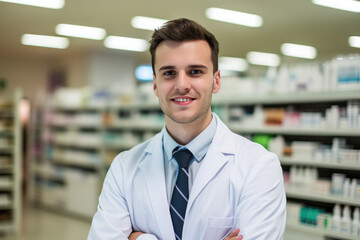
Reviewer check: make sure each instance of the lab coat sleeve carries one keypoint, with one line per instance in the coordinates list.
(112, 219)
(261, 214)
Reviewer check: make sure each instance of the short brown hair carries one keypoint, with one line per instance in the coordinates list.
(180, 30)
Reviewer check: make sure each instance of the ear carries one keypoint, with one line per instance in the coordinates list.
(155, 86)
(216, 84)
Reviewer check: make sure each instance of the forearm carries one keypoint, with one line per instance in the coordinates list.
(141, 236)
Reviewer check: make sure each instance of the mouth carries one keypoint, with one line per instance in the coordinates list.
(182, 100)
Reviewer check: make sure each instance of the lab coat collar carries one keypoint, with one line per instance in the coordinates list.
(152, 167)
(214, 160)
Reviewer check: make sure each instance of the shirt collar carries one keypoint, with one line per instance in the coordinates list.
(198, 146)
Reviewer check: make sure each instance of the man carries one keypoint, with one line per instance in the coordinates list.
(224, 182)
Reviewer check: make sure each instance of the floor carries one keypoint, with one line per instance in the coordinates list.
(40, 224)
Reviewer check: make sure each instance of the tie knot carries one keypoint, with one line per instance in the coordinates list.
(183, 157)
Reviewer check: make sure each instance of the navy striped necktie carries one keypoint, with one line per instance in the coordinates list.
(180, 194)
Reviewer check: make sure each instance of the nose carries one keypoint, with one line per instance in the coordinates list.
(183, 83)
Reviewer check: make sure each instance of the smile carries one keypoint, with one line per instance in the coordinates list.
(183, 99)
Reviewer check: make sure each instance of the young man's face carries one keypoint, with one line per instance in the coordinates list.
(184, 81)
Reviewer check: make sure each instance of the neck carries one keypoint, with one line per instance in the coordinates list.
(183, 133)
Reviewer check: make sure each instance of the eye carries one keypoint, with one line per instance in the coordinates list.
(169, 73)
(195, 72)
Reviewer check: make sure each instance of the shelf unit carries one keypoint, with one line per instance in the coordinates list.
(83, 140)
(320, 232)
(10, 164)
(118, 121)
(301, 194)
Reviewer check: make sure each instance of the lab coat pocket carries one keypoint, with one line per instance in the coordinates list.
(218, 228)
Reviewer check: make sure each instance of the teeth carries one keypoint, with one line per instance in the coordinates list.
(182, 99)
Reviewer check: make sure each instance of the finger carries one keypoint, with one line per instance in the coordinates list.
(234, 233)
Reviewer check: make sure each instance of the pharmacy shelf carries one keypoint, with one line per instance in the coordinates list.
(6, 149)
(151, 105)
(119, 146)
(9, 114)
(50, 177)
(5, 168)
(294, 131)
(288, 98)
(313, 163)
(134, 121)
(6, 226)
(320, 232)
(75, 127)
(78, 144)
(6, 131)
(6, 187)
(137, 125)
(300, 193)
(67, 162)
(6, 206)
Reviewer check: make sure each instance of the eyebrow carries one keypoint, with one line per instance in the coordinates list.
(197, 66)
(167, 67)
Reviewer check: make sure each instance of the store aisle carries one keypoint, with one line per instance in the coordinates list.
(39, 224)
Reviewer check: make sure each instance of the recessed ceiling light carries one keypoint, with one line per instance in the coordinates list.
(44, 41)
(80, 31)
(241, 18)
(297, 50)
(233, 64)
(54, 4)
(125, 43)
(147, 23)
(144, 73)
(265, 59)
(346, 5)
(354, 41)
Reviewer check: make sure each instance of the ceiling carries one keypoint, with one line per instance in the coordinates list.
(294, 21)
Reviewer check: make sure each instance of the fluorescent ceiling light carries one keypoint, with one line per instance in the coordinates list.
(347, 5)
(125, 43)
(233, 64)
(54, 4)
(80, 31)
(354, 41)
(265, 59)
(246, 19)
(44, 41)
(297, 50)
(147, 23)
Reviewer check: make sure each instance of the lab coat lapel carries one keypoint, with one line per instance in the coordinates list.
(153, 169)
(213, 161)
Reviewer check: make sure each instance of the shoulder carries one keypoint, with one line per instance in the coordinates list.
(246, 153)
(136, 154)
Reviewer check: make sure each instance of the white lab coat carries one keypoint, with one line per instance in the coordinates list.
(239, 184)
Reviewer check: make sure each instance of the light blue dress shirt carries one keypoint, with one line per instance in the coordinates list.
(198, 147)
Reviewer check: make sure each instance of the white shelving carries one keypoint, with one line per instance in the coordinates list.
(314, 163)
(301, 193)
(286, 98)
(84, 140)
(10, 164)
(119, 132)
(320, 232)
(295, 131)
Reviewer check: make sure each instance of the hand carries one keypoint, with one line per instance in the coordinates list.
(134, 235)
(234, 235)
